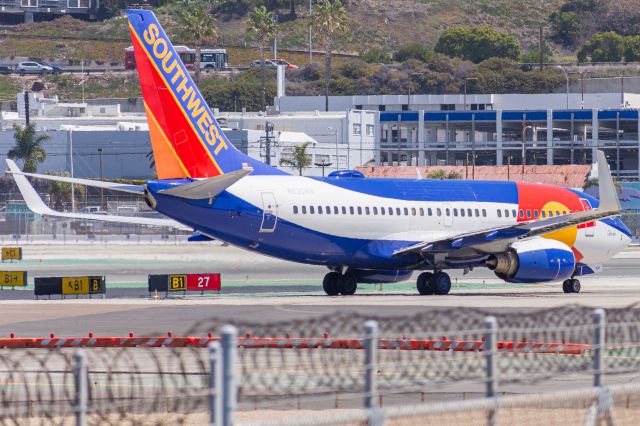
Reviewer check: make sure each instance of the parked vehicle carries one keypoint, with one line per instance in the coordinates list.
(5, 69)
(56, 69)
(273, 63)
(288, 65)
(267, 64)
(33, 68)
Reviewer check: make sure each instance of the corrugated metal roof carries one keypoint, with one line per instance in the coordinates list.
(569, 176)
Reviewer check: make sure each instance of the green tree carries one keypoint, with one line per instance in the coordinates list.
(28, 147)
(632, 48)
(376, 56)
(603, 47)
(329, 19)
(441, 174)
(412, 51)
(263, 25)
(478, 44)
(533, 55)
(196, 26)
(566, 27)
(301, 160)
(61, 191)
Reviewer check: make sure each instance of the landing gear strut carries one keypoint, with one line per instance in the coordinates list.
(571, 286)
(335, 283)
(437, 283)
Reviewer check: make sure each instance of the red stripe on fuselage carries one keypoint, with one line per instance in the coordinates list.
(171, 117)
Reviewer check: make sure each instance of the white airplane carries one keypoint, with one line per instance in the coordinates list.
(363, 230)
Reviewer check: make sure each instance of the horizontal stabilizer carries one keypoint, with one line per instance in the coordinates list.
(36, 205)
(135, 189)
(207, 188)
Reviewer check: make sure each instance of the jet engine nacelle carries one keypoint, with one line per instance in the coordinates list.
(534, 261)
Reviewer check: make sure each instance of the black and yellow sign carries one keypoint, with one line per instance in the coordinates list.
(75, 285)
(11, 253)
(13, 278)
(177, 283)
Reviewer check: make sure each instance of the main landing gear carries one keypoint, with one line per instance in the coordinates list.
(571, 286)
(434, 283)
(335, 283)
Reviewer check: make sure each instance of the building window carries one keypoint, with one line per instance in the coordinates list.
(371, 130)
(359, 107)
(29, 3)
(295, 209)
(382, 108)
(77, 3)
(447, 107)
(357, 129)
(405, 107)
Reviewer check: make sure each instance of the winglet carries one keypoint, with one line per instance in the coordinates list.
(608, 196)
(31, 197)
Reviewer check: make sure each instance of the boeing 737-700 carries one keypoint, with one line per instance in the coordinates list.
(363, 230)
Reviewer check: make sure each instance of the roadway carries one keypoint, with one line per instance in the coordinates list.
(256, 288)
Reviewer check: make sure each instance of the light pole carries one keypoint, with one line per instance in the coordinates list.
(566, 76)
(101, 189)
(73, 192)
(310, 31)
(335, 132)
(465, 90)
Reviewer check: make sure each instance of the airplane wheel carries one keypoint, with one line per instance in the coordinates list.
(566, 286)
(575, 286)
(347, 284)
(330, 283)
(424, 283)
(441, 283)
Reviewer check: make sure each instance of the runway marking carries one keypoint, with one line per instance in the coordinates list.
(283, 309)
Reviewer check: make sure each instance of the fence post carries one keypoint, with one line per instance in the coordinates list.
(229, 339)
(215, 384)
(490, 353)
(370, 362)
(598, 346)
(81, 386)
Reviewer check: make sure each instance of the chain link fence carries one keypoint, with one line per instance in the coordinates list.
(448, 365)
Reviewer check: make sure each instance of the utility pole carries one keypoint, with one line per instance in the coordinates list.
(101, 189)
(540, 46)
(267, 141)
(310, 31)
(26, 108)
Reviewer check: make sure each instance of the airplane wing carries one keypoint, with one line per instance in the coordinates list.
(36, 205)
(498, 239)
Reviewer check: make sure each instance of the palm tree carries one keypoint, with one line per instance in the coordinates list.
(28, 147)
(329, 18)
(262, 24)
(61, 191)
(301, 160)
(196, 26)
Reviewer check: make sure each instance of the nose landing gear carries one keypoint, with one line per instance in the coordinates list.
(571, 285)
(437, 283)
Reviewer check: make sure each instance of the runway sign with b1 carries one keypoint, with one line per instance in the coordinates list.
(13, 279)
(11, 253)
(184, 283)
(85, 285)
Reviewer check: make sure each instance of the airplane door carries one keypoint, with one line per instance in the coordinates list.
(589, 227)
(447, 213)
(269, 212)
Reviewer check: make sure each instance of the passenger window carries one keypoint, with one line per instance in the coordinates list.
(398, 211)
(477, 213)
(557, 212)
(447, 212)
(455, 212)
(327, 210)
(406, 211)
(462, 212)
(499, 213)
(375, 211)
(469, 212)
(351, 210)
(390, 211)
(484, 213)
(528, 214)
(439, 212)
(335, 210)
(311, 210)
(304, 209)
(319, 209)
(544, 214)
(344, 210)
(360, 210)
(564, 212)
(521, 213)
(382, 211)
(429, 211)
(366, 211)
(413, 211)
(514, 213)
(295, 209)
(535, 214)
(506, 213)
(421, 211)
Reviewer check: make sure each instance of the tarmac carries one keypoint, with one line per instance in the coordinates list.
(256, 288)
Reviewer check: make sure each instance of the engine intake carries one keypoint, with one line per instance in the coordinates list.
(533, 261)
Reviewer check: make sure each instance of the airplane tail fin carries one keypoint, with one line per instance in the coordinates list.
(187, 140)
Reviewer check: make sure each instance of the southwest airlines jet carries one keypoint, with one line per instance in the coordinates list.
(363, 230)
